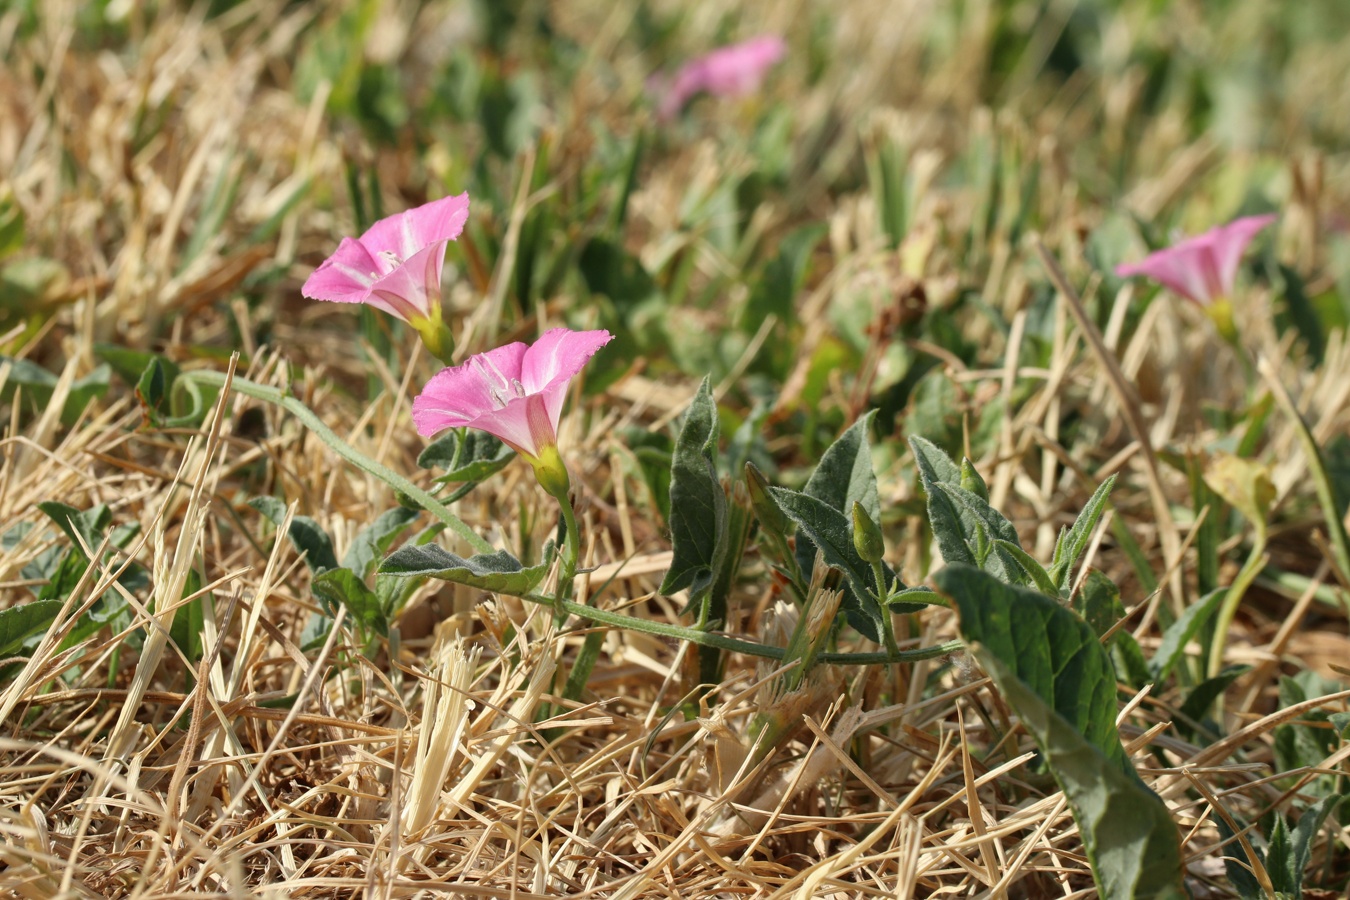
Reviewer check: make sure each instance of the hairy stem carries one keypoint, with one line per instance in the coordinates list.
(306, 415)
(734, 645)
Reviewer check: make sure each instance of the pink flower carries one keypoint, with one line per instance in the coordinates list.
(396, 265)
(515, 392)
(725, 72)
(1202, 268)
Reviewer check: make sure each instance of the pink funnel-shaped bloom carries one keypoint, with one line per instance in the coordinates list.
(731, 71)
(396, 265)
(1201, 268)
(515, 392)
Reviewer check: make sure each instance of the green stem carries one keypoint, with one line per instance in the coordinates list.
(302, 412)
(704, 639)
(1256, 561)
(1326, 491)
(570, 552)
(883, 589)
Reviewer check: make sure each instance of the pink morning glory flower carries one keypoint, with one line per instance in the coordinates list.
(515, 393)
(731, 71)
(1202, 268)
(396, 267)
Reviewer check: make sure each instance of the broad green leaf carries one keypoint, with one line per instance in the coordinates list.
(153, 387)
(90, 524)
(373, 541)
(1287, 852)
(1238, 865)
(1174, 640)
(315, 632)
(1307, 741)
(1301, 844)
(1279, 860)
(1074, 541)
(472, 456)
(19, 623)
(843, 477)
(29, 282)
(1047, 646)
(963, 522)
(698, 505)
(334, 587)
(1098, 602)
(498, 572)
(1128, 658)
(393, 591)
(831, 531)
(934, 465)
(1028, 564)
(1197, 703)
(305, 533)
(126, 363)
(980, 527)
(1127, 830)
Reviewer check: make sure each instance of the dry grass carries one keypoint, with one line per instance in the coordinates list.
(451, 767)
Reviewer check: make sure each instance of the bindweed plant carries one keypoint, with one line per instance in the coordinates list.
(973, 566)
(1036, 627)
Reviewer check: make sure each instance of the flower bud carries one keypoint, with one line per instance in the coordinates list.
(551, 472)
(867, 539)
(971, 480)
(770, 515)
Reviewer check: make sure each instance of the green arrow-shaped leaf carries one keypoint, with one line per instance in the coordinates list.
(498, 572)
(1052, 669)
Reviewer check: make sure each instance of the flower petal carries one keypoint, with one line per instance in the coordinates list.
(740, 68)
(1179, 268)
(727, 71)
(408, 290)
(405, 233)
(559, 354)
(1230, 242)
(344, 277)
(479, 387)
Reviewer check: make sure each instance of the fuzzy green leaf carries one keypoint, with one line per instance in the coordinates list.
(1098, 602)
(1174, 640)
(1028, 564)
(1049, 647)
(963, 522)
(19, 623)
(334, 587)
(471, 457)
(831, 531)
(1074, 541)
(1128, 832)
(373, 541)
(305, 533)
(843, 477)
(698, 505)
(499, 572)
(1051, 668)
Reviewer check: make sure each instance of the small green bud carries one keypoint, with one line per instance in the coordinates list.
(436, 336)
(867, 539)
(771, 516)
(971, 480)
(1220, 312)
(551, 472)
